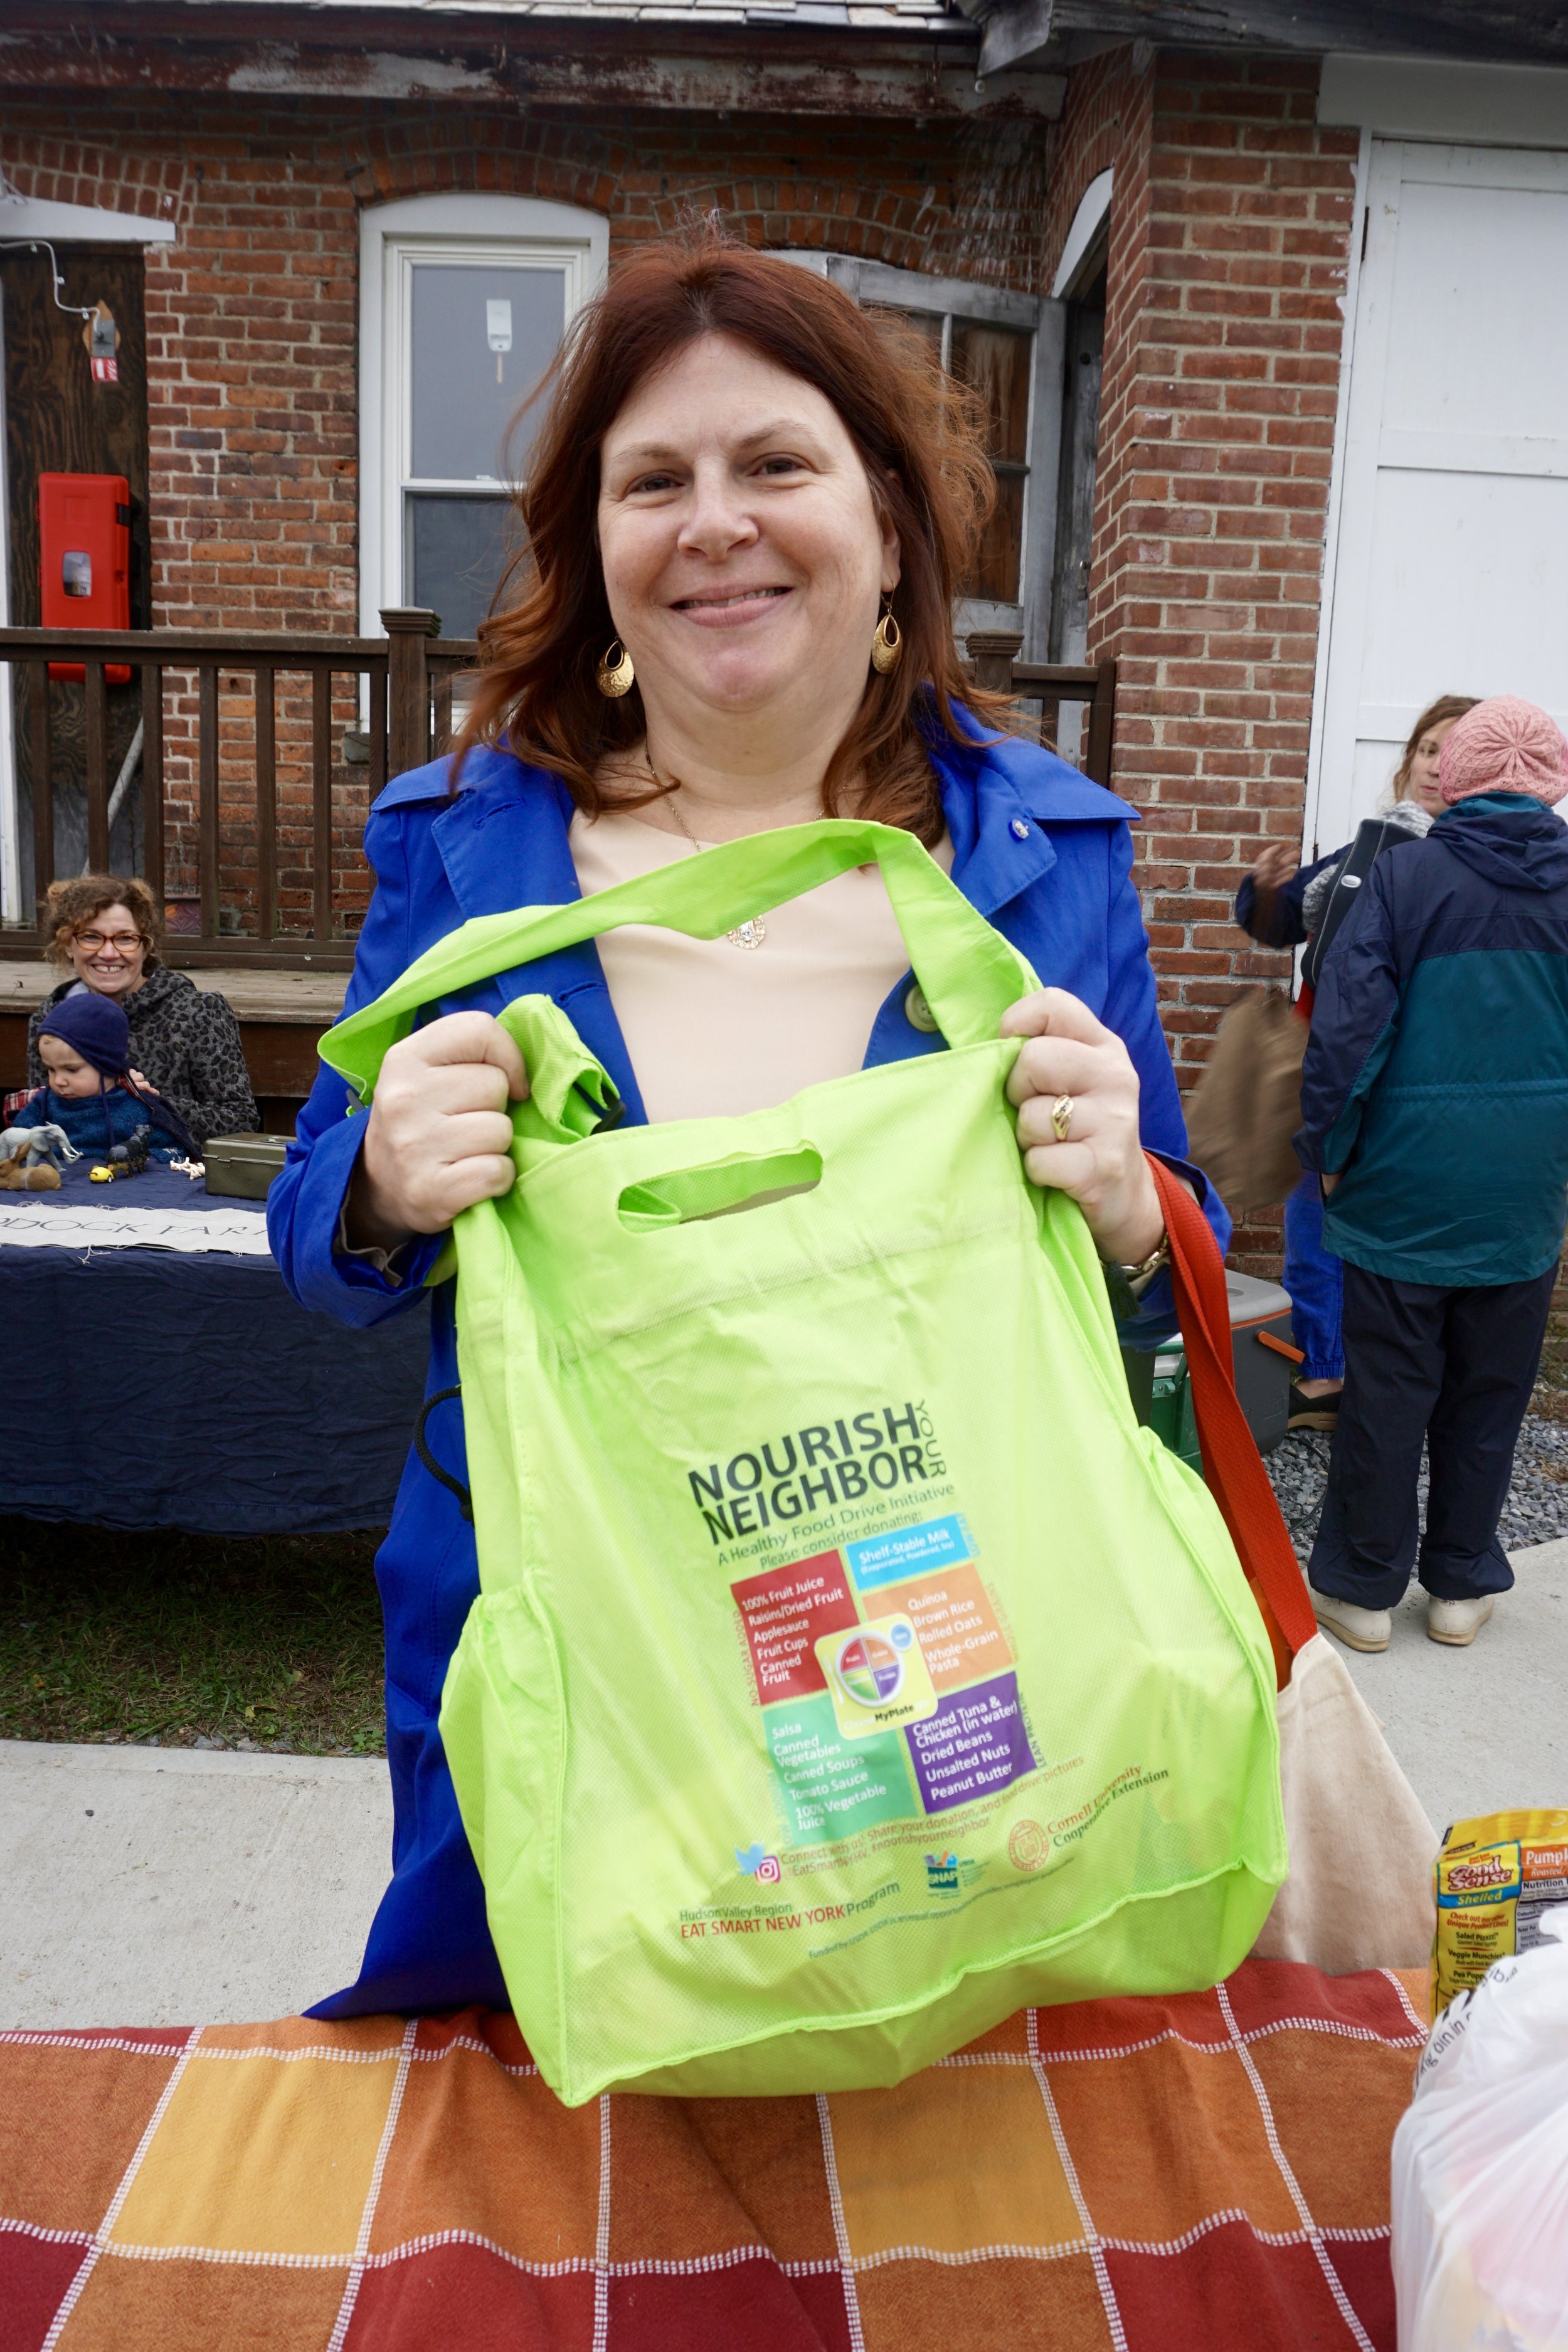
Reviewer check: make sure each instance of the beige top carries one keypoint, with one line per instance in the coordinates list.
(713, 1028)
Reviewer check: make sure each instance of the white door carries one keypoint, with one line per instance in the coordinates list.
(1451, 570)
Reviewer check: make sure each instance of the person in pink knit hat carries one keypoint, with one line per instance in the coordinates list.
(1435, 1108)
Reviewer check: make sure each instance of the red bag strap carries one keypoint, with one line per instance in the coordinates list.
(1233, 1467)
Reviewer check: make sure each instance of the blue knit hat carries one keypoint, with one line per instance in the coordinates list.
(93, 1026)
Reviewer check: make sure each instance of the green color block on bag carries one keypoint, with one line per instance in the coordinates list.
(849, 1668)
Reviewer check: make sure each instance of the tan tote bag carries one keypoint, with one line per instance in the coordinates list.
(1246, 1106)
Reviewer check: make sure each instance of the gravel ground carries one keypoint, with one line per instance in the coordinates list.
(1537, 1507)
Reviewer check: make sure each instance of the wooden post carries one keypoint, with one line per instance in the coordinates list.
(97, 768)
(994, 652)
(43, 784)
(322, 800)
(266, 802)
(1101, 720)
(152, 779)
(408, 687)
(208, 795)
(377, 777)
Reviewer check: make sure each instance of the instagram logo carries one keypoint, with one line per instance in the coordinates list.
(768, 1871)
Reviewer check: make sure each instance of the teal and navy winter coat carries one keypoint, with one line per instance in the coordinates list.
(1436, 1072)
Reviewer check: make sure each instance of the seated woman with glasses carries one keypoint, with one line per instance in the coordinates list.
(185, 1040)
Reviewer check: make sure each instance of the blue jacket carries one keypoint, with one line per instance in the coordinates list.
(1436, 1072)
(1042, 852)
(1278, 921)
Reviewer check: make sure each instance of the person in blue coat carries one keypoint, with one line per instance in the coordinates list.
(748, 513)
(1435, 1106)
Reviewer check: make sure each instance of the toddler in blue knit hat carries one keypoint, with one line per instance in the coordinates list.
(92, 1093)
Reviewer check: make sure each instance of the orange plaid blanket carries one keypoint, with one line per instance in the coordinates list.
(1207, 2173)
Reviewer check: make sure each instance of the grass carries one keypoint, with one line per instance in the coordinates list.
(272, 1641)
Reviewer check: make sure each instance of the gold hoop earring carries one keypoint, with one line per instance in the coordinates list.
(887, 645)
(616, 674)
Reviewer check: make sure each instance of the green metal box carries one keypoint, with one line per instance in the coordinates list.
(241, 1167)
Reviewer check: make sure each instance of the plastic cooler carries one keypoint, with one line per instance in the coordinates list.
(1264, 1358)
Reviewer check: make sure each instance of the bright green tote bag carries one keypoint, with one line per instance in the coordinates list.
(849, 1668)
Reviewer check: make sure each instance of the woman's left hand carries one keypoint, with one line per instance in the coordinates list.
(1101, 1162)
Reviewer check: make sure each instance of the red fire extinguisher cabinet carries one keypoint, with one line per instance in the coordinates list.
(84, 559)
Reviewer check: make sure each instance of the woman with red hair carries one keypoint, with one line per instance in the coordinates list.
(750, 504)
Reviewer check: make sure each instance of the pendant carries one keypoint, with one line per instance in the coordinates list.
(748, 935)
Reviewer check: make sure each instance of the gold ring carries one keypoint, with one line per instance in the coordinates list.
(1061, 1117)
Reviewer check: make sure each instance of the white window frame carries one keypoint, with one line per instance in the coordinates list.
(990, 306)
(452, 228)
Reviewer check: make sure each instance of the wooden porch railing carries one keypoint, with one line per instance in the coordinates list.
(994, 654)
(403, 680)
(403, 691)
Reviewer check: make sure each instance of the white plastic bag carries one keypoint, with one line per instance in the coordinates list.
(1481, 2166)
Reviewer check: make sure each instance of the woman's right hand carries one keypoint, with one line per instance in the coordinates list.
(439, 1134)
(1274, 864)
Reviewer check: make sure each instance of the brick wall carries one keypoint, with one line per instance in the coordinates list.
(252, 323)
(1230, 227)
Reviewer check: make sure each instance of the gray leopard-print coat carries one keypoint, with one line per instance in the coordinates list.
(185, 1040)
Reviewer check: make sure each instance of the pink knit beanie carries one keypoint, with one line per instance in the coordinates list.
(1504, 745)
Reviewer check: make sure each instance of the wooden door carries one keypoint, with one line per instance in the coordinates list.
(59, 420)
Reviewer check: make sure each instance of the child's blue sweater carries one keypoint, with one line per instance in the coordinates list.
(93, 1122)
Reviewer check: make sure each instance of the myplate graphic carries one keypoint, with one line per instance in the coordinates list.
(887, 1684)
(878, 1677)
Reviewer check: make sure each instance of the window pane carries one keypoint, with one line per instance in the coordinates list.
(996, 361)
(927, 324)
(456, 551)
(482, 335)
(995, 573)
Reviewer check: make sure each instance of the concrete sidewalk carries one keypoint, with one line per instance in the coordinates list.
(1486, 1727)
(160, 1886)
(164, 1886)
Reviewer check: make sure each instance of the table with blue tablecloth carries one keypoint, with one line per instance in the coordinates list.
(159, 1374)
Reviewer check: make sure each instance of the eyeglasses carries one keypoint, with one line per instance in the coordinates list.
(124, 943)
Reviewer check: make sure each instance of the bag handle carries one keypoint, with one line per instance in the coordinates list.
(1233, 1467)
(968, 972)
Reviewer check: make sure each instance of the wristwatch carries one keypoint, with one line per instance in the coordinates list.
(1127, 1283)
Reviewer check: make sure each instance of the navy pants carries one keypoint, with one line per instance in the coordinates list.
(1456, 1368)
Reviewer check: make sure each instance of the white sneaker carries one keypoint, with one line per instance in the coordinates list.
(1357, 1628)
(1456, 1623)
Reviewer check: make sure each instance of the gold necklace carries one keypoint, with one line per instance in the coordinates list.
(744, 935)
